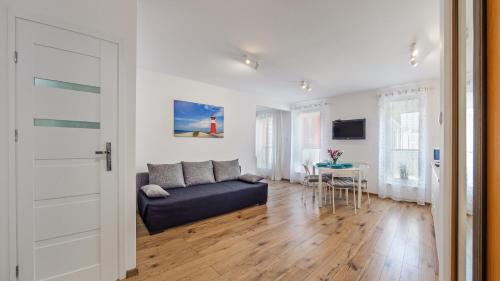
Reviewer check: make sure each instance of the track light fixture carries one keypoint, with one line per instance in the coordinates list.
(306, 86)
(251, 62)
(413, 55)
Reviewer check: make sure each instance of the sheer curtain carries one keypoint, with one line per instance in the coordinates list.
(402, 144)
(308, 135)
(268, 144)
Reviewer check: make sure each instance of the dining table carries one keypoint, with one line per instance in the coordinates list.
(353, 171)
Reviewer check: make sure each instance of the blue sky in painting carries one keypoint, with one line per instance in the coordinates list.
(190, 116)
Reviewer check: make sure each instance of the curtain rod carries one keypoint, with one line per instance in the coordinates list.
(403, 91)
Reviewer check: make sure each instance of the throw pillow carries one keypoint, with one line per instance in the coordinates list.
(198, 172)
(250, 178)
(154, 191)
(166, 175)
(226, 170)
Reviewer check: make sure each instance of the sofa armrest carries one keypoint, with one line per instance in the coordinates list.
(141, 179)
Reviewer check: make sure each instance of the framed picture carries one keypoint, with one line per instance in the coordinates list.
(198, 120)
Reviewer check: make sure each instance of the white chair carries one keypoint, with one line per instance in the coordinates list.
(364, 182)
(364, 167)
(344, 180)
(312, 181)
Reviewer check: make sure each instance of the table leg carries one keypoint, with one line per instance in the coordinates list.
(320, 191)
(360, 193)
(333, 196)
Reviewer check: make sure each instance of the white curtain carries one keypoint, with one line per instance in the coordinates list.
(402, 144)
(269, 144)
(309, 122)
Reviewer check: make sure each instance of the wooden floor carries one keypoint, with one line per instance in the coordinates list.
(289, 239)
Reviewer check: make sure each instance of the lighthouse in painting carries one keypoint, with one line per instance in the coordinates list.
(213, 126)
(198, 120)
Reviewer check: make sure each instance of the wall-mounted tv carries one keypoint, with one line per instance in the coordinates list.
(349, 129)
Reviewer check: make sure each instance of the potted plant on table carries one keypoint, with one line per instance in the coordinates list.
(335, 154)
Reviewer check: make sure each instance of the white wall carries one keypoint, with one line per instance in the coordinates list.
(435, 132)
(357, 106)
(4, 151)
(443, 219)
(365, 105)
(118, 19)
(155, 140)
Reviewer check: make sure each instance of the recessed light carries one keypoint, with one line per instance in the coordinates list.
(251, 62)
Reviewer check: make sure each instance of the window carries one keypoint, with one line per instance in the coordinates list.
(404, 130)
(269, 144)
(405, 148)
(264, 141)
(402, 145)
(308, 139)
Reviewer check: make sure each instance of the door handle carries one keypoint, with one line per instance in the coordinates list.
(106, 152)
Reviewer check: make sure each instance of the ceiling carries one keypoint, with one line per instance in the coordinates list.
(340, 46)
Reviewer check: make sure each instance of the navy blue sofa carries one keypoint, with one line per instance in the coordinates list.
(188, 204)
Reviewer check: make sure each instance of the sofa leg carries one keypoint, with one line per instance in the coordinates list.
(155, 232)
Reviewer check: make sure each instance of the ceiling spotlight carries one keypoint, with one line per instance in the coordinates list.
(413, 55)
(413, 62)
(305, 86)
(252, 63)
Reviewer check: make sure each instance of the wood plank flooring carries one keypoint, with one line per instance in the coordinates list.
(290, 239)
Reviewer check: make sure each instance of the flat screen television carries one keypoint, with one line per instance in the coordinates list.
(349, 129)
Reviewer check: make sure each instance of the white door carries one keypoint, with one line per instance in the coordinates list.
(66, 110)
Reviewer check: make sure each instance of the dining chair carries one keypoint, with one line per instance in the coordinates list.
(364, 167)
(312, 181)
(344, 181)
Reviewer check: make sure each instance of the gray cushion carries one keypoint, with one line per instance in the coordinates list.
(250, 178)
(226, 170)
(315, 178)
(154, 191)
(198, 172)
(166, 175)
(344, 182)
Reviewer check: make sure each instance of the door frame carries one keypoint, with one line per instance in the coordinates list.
(121, 146)
(479, 88)
(479, 178)
(491, 58)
